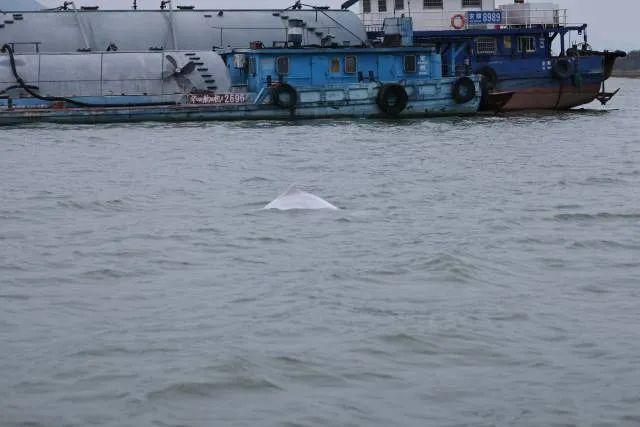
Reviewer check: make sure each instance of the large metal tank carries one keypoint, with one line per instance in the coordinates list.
(73, 30)
(108, 74)
(21, 5)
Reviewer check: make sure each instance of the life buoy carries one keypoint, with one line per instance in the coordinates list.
(464, 90)
(562, 69)
(392, 99)
(458, 21)
(284, 96)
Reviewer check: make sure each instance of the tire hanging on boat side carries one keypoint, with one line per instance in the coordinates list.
(489, 78)
(562, 69)
(464, 90)
(392, 99)
(488, 83)
(576, 79)
(284, 96)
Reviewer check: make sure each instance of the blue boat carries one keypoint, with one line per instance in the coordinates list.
(536, 78)
(522, 48)
(254, 83)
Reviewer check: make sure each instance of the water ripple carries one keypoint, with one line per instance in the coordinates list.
(484, 272)
(213, 389)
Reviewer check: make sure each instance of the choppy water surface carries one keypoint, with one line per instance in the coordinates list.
(481, 271)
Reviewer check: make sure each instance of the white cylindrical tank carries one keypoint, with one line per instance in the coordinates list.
(116, 73)
(66, 31)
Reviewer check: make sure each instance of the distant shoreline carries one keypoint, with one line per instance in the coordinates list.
(628, 66)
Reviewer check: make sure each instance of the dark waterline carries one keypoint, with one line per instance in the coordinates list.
(481, 271)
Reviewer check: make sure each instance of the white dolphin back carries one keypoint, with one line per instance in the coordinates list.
(294, 198)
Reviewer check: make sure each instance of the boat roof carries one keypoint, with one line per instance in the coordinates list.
(334, 50)
(42, 9)
(462, 34)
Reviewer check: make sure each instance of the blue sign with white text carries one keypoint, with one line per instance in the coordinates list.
(483, 17)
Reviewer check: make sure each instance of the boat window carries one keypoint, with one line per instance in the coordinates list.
(282, 65)
(252, 66)
(399, 5)
(432, 4)
(366, 6)
(507, 42)
(486, 46)
(335, 65)
(471, 3)
(382, 5)
(350, 65)
(410, 64)
(526, 44)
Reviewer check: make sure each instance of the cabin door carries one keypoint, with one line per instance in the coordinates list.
(319, 70)
(386, 68)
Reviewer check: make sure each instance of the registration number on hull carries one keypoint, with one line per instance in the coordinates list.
(218, 98)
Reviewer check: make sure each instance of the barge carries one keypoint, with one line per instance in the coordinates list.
(240, 84)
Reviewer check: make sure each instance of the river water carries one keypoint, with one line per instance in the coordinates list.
(480, 271)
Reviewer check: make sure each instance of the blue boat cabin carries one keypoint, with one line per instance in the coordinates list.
(258, 68)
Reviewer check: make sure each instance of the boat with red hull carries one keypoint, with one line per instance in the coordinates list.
(585, 84)
(522, 50)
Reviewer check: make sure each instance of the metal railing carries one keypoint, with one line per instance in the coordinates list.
(425, 20)
(35, 45)
(528, 18)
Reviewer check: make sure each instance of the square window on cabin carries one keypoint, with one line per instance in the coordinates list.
(382, 5)
(410, 64)
(526, 44)
(398, 5)
(507, 42)
(486, 46)
(350, 65)
(471, 3)
(282, 65)
(335, 65)
(366, 6)
(432, 4)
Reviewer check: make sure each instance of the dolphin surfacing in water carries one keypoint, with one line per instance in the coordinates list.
(294, 198)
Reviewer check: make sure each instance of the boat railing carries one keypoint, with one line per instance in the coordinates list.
(533, 18)
(34, 45)
(449, 19)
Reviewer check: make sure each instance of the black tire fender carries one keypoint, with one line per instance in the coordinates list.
(489, 78)
(392, 99)
(284, 96)
(576, 79)
(562, 69)
(464, 90)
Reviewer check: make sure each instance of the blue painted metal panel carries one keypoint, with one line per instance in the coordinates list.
(509, 60)
(426, 98)
(313, 67)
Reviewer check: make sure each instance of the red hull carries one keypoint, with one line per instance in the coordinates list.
(553, 98)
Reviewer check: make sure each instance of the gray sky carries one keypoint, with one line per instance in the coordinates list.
(612, 23)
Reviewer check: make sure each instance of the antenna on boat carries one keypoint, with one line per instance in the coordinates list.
(135, 5)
